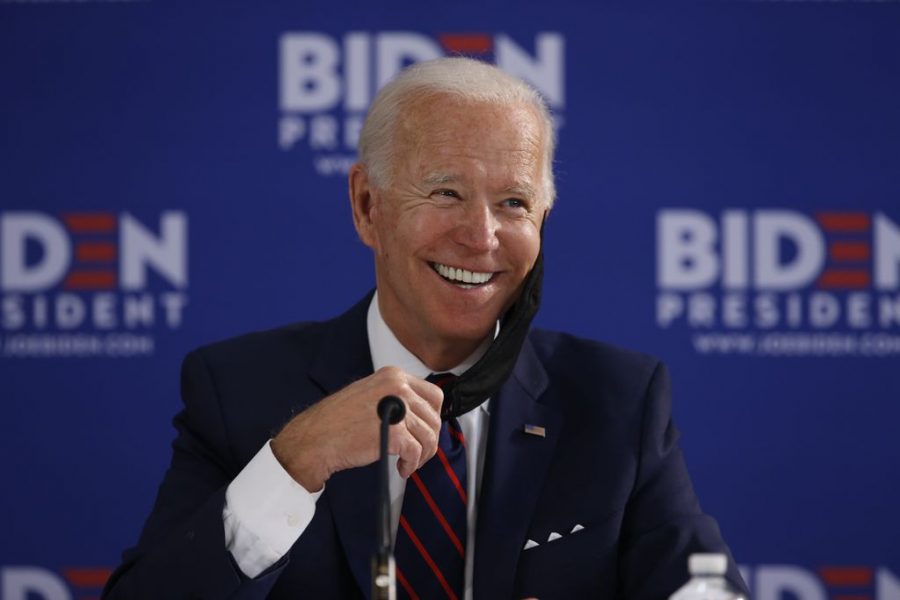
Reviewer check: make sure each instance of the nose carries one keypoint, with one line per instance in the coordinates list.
(478, 228)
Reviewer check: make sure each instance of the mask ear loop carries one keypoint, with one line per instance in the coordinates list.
(486, 376)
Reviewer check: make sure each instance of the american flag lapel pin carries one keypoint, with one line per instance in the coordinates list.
(535, 430)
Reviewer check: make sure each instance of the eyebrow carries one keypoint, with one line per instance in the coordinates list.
(440, 178)
(524, 190)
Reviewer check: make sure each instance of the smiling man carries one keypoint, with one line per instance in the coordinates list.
(550, 469)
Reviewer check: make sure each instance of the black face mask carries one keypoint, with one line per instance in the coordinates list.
(485, 377)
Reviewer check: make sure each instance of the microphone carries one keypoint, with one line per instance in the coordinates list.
(391, 411)
(393, 407)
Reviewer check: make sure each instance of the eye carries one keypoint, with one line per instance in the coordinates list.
(515, 203)
(445, 193)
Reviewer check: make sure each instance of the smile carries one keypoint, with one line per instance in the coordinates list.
(461, 277)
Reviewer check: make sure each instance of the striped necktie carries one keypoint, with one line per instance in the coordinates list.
(430, 551)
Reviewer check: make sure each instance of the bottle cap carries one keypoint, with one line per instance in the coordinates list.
(707, 564)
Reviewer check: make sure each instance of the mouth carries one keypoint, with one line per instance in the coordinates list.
(461, 277)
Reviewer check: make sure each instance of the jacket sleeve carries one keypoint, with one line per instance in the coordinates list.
(181, 552)
(663, 523)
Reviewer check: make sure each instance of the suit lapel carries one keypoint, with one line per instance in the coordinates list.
(515, 467)
(351, 494)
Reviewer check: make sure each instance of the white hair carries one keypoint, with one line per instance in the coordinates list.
(465, 78)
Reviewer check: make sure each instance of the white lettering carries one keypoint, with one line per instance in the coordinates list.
(858, 310)
(888, 311)
(22, 583)
(13, 314)
(824, 310)
(70, 311)
(167, 254)
(104, 311)
(174, 304)
(309, 80)
(887, 586)
(686, 256)
(16, 229)
(766, 309)
(323, 132)
(668, 308)
(356, 70)
(701, 310)
(774, 581)
(886, 237)
(734, 249)
(770, 228)
(138, 311)
(290, 131)
(734, 310)
(395, 50)
(545, 71)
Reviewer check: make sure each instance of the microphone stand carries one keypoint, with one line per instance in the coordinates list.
(391, 411)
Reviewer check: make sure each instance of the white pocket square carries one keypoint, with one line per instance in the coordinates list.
(577, 528)
(529, 544)
(553, 536)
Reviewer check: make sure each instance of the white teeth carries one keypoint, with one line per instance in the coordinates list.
(461, 275)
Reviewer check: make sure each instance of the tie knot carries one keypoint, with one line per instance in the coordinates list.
(441, 379)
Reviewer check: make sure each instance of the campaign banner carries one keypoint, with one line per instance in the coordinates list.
(728, 200)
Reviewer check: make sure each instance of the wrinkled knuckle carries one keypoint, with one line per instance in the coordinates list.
(406, 448)
(390, 374)
(432, 443)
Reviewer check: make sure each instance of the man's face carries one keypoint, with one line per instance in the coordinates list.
(457, 229)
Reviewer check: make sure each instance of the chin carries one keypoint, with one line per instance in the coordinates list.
(469, 335)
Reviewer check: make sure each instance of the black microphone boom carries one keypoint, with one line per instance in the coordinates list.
(391, 411)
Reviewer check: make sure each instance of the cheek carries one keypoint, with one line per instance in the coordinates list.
(524, 248)
(422, 233)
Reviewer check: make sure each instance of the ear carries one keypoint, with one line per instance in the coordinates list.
(362, 203)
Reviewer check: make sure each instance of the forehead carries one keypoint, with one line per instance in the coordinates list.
(443, 137)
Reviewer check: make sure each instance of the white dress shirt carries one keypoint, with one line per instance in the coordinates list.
(266, 511)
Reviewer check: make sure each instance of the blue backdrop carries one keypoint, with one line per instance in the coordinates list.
(729, 200)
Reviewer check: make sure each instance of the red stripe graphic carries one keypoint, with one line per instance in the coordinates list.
(452, 475)
(90, 222)
(466, 43)
(434, 568)
(457, 434)
(834, 279)
(849, 251)
(93, 578)
(843, 222)
(438, 514)
(846, 575)
(90, 280)
(403, 582)
(95, 252)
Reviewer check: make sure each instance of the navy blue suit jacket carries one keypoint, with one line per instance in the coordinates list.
(609, 462)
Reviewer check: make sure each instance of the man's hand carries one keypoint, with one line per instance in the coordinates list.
(341, 431)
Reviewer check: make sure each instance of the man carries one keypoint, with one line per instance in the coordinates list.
(571, 482)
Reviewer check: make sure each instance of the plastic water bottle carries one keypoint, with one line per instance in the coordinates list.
(707, 580)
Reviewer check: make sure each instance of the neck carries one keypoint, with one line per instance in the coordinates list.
(437, 354)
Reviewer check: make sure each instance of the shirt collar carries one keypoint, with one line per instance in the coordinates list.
(386, 349)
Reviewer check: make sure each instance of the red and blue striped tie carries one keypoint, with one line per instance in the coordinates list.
(430, 551)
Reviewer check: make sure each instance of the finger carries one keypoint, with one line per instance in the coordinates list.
(422, 409)
(431, 393)
(405, 469)
(426, 436)
(408, 450)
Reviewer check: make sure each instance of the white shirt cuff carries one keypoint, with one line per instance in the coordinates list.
(265, 512)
